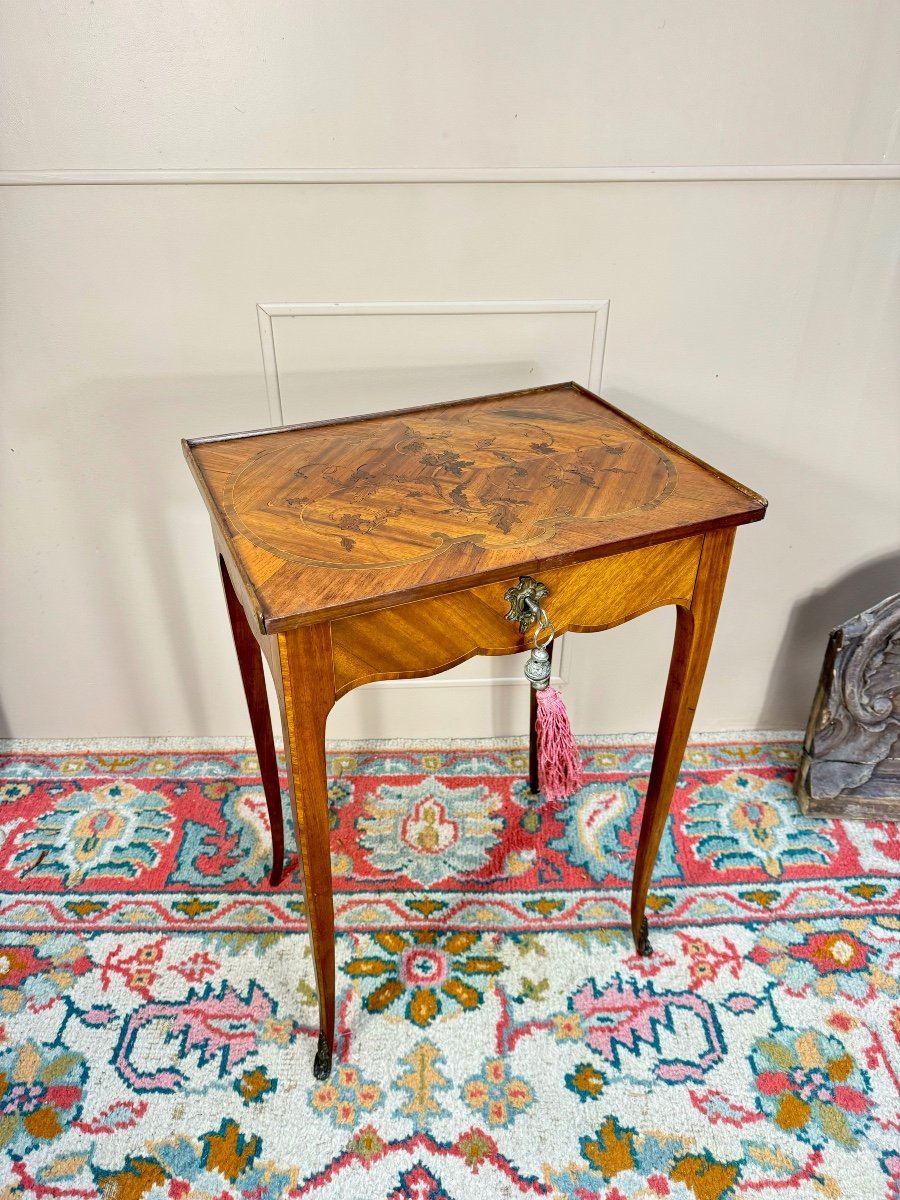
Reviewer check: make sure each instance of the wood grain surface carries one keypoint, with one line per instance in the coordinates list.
(694, 629)
(349, 516)
(428, 636)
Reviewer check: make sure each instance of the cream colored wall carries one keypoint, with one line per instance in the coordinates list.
(753, 319)
(386, 83)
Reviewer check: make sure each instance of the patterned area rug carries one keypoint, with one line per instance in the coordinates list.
(498, 1036)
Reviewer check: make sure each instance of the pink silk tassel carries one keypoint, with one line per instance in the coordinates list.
(559, 763)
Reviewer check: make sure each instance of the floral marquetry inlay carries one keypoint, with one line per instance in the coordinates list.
(339, 517)
(401, 489)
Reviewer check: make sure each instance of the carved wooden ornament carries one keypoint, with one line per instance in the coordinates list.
(851, 755)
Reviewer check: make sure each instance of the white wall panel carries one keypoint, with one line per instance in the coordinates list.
(408, 355)
(124, 84)
(755, 323)
(363, 364)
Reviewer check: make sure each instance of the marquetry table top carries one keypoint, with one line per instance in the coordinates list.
(338, 517)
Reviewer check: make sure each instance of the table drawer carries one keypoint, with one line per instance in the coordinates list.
(428, 636)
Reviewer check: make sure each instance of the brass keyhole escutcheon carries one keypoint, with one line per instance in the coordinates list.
(525, 601)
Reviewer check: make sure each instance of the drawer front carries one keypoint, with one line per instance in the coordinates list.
(428, 636)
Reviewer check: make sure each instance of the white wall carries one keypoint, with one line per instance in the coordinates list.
(753, 318)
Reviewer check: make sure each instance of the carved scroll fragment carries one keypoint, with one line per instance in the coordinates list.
(850, 765)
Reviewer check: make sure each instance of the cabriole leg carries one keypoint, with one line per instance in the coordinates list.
(306, 692)
(254, 680)
(693, 638)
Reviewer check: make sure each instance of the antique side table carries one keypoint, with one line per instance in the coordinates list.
(381, 547)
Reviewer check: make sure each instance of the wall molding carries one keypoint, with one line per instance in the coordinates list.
(597, 308)
(266, 314)
(789, 173)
